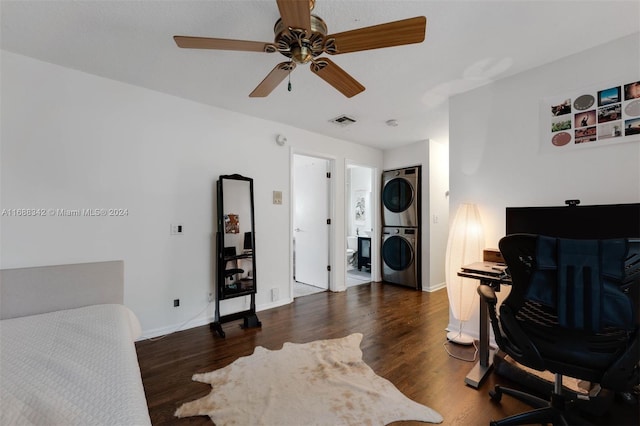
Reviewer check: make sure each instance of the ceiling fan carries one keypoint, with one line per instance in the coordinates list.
(302, 37)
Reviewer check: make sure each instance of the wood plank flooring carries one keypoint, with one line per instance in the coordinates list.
(403, 342)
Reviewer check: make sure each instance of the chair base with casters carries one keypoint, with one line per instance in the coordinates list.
(583, 397)
(554, 411)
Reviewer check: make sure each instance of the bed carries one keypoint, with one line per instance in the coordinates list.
(67, 353)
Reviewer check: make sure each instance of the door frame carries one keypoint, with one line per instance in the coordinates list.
(375, 218)
(331, 205)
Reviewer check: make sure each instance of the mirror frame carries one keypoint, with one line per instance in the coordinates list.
(221, 263)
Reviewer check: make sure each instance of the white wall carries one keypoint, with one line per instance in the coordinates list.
(495, 157)
(439, 212)
(71, 140)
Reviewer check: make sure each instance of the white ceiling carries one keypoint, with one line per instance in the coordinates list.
(468, 44)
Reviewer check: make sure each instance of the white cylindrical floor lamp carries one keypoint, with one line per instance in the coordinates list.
(465, 245)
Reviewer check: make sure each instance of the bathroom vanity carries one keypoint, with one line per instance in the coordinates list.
(364, 253)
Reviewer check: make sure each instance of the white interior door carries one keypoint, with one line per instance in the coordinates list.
(310, 214)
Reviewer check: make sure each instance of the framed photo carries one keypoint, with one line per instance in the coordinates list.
(360, 206)
(231, 224)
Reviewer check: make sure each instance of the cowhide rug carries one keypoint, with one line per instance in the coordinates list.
(319, 383)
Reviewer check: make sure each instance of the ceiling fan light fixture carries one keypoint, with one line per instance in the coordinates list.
(301, 54)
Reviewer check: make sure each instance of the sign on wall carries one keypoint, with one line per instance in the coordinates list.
(598, 116)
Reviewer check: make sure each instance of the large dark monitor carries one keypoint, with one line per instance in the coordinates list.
(580, 222)
(248, 242)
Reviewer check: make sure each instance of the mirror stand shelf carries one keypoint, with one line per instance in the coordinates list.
(235, 250)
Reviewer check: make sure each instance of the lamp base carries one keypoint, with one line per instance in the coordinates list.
(459, 338)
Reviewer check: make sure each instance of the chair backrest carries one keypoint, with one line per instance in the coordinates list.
(569, 310)
(229, 251)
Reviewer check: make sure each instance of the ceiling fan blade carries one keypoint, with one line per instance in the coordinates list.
(271, 81)
(336, 76)
(397, 33)
(223, 44)
(295, 14)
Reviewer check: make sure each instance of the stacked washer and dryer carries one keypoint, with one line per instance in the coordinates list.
(401, 213)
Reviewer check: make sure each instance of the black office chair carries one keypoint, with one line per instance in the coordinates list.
(230, 274)
(569, 312)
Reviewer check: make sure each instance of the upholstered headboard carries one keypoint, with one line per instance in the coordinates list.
(30, 291)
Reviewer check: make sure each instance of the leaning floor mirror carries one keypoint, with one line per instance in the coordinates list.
(236, 262)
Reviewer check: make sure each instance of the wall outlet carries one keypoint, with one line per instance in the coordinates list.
(210, 297)
(176, 303)
(177, 229)
(275, 294)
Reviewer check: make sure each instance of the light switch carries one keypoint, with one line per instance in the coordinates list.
(277, 197)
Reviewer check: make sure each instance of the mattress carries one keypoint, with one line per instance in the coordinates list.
(71, 367)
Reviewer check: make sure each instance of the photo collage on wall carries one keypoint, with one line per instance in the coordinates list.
(610, 114)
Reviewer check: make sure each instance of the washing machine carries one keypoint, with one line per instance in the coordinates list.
(401, 197)
(401, 256)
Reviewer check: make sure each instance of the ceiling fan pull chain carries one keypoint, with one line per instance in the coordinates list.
(289, 84)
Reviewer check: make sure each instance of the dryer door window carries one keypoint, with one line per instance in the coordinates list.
(397, 253)
(397, 195)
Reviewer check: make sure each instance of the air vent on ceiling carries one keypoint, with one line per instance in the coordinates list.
(343, 120)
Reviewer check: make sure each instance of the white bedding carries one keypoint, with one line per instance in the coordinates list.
(71, 367)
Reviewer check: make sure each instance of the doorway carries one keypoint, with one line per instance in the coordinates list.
(311, 194)
(360, 224)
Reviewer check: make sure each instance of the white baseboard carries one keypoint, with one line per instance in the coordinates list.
(435, 287)
(205, 320)
(161, 331)
(275, 304)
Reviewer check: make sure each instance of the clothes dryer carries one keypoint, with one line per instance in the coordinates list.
(401, 197)
(401, 256)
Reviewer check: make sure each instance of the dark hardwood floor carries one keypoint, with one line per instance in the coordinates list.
(403, 342)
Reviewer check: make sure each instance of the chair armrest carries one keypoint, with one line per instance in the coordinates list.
(233, 271)
(488, 294)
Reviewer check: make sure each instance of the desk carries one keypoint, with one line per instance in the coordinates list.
(488, 273)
